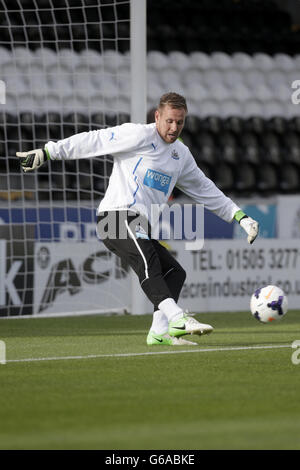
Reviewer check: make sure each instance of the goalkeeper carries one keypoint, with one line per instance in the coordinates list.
(149, 160)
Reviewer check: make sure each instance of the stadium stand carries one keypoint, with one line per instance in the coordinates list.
(223, 56)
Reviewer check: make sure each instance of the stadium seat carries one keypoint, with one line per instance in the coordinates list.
(277, 124)
(241, 92)
(288, 178)
(244, 179)
(157, 60)
(218, 91)
(234, 124)
(228, 148)
(212, 77)
(230, 107)
(221, 60)
(274, 108)
(255, 124)
(212, 124)
(67, 60)
(89, 59)
(292, 110)
(5, 57)
(209, 108)
(195, 91)
(200, 60)
(252, 107)
(271, 148)
(113, 62)
(45, 58)
(282, 91)
(232, 77)
(23, 57)
(266, 179)
(223, 177)
(242, 61)
(179, 61)
(263, 62)
(206, 148)
(275, 77)
(249, 148)
(193, 124)
(263, 93)
(193, 75)
(283, 62)
(254, 78)
(291, 143)
(154, 91)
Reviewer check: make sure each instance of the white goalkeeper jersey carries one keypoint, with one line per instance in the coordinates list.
(146, 169)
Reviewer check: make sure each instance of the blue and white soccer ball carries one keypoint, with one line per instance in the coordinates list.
(268, 303)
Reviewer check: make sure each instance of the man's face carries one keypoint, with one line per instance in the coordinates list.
(169, 123)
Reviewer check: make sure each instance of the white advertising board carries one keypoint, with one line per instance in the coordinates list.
(288, 217)
(224, 274)
(78, 278)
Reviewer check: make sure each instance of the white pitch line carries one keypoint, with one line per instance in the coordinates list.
(150, 353)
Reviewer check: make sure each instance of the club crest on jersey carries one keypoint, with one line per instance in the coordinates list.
(156, 180)
(175, 155)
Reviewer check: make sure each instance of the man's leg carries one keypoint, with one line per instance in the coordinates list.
(143, 256)
(179, 323)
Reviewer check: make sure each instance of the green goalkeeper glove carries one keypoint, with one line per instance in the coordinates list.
(33, 159)
(250, 226)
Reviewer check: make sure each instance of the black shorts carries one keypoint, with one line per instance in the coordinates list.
(159, 273)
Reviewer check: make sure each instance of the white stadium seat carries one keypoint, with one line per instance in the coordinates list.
(292, 110)
(196, 92)
(212, 77)
(90, 59)
(292, 76)
(44, 58)
(252, 107)
(241, 92)
(23, 57)
(5, 57)
(237, 84)
(157, 60)
(263, 62)
(297, 61)
(67, 60)
(283, 62)
(263, 92)
(253, 78)
(192, 75)
(179, 61)
(230, 108)
(208, 108)
(282, 92)
(154, 91)
(232, 77)
(218, 91)
(221, 60)
(242, 61)
(113, 61)
(274, 108)
(200, 60)
(276, 77)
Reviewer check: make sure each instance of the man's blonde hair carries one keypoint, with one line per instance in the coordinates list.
(174, 100)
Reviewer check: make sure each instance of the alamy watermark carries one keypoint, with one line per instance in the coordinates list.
(2, 352)
(2, 92)
(296, 354)
(295, 97)
(166, 222)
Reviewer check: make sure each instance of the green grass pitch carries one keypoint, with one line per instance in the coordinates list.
(93, 383)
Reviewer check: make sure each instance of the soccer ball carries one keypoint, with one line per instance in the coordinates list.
(268, 303)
